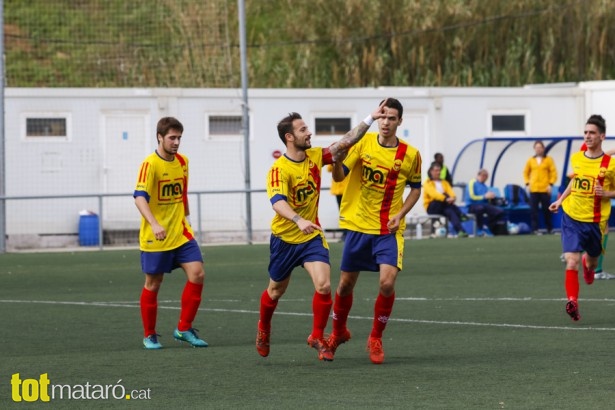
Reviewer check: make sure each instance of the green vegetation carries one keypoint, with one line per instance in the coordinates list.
(308, 43)
(477, 324)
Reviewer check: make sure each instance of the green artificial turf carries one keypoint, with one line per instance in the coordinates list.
(478, 323)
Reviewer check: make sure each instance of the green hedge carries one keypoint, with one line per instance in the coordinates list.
(315, 43)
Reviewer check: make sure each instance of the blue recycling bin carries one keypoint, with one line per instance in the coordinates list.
(88, 230)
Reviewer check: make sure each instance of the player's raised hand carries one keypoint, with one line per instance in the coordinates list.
(355, 134)
(380, 112)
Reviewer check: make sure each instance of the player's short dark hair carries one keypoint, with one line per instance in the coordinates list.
(598, 121)
(395, 104)
(166, 124)
(286, 125)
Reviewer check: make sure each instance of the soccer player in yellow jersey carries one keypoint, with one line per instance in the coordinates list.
(587, 207)
(599, 273)
(379, 168)
(293, 188)
(166, 238)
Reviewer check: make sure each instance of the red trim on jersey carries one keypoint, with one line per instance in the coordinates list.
(275, 177)
(182, 161)
(327, 158)
(419, 163)
(583, 147)
(389, 189)
(143, 172)
(186, 232)
(315, 172)
(598, 199)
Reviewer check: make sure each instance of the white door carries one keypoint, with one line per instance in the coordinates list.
(125, 145)
(415, 131)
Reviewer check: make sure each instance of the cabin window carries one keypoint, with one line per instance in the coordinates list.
(509, 124)
(224, 126)
(332, 126)
(37, 126)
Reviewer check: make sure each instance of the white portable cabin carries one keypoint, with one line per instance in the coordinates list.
(105, 134)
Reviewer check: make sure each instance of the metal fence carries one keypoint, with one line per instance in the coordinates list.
(112, 220)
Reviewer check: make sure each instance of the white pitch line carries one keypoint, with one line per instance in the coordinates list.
(413, 299)
(256, 312)
(405, 299)
(509, 299)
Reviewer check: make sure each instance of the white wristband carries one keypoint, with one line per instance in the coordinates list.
(368, 120)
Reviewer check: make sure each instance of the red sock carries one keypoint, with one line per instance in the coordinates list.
(268, 306)
(341, 308)
(321, 307)
(572, 284)
(382, 311)
(191, 300)
(149, 309)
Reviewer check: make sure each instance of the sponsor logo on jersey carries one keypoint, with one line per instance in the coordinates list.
(583, 184)
(170, 191)
(303, 193)
(374, 176)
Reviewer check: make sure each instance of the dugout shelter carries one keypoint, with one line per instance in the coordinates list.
(505, 157)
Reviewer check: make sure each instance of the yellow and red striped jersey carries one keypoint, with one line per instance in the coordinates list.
(582, 204)
(377, 178)
(297, 183)
(165, 186)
